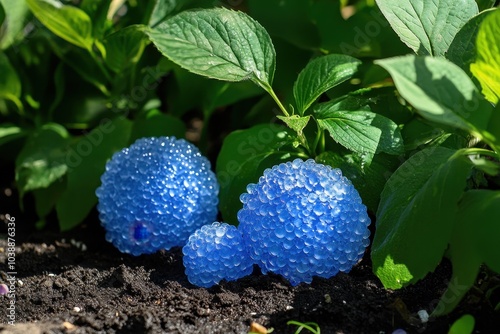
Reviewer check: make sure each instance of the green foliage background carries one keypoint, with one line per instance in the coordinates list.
(401, 95)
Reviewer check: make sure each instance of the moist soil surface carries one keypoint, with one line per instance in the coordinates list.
(76, 282)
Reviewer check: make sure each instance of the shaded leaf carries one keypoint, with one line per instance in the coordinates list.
(416, 214)
(86, 161)
(125, 47)
(440, 91)
(428, 26)
(14, 22)
(156, 124)
(320, 75)
(42, 159)
(243, 157)
(462, 50)
(10, 84)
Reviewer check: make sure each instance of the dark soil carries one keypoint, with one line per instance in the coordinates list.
(63, 289)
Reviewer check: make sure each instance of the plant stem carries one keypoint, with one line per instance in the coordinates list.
(278, 102)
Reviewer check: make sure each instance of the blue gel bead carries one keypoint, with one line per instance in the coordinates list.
(304, 219)
(155, 193)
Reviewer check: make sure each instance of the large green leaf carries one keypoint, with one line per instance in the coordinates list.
(98, 11)
(486, 68)
(68, 22)
(218, 43)
(14, 22)
(320, 75)
(440, 91)
(428, 26)
(125, 47)
(42, 159)
(462, 50)
(475, 240)
(10, 85)
(243, 157)
(361, 131)
(416, 214)
(86, 161)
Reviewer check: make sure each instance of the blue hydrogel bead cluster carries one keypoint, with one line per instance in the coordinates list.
(216, 252)
(304, 219)
(155, 193)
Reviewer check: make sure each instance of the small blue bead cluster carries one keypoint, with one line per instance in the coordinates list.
(155, 193)
(215, 252)
(304, 219)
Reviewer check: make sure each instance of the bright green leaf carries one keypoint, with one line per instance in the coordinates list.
(42, 159)
(86, 161)
(10, 132)
(440, 91)
(360, 131)
(462, 50)
(320, 75)
(218, 43)
(14, 22)
(464, 325)
(428, 26)
(68, 22)
(416, 215)
(125, 47)
(487, 66)
(156, 124)
(295, 122)
(10, 85)
(243, 157)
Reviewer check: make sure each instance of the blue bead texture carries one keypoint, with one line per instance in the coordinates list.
(155, 193)
(216, 252)
(304, 219)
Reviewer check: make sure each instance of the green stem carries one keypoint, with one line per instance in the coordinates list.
(482, 151)
(278, 102)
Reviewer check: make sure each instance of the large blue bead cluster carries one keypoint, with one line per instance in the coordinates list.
(155, 193)
(304, 219)
(215, 252)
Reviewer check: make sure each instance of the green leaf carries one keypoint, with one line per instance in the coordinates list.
(295, 122)
(475, 241)
(86, 161)
(10, 132)
(462, 50)
(360, 131)
(440, 91)
(125, 47)
(68, 22)
(416, 215)
(243, 157)
(320, 75)
(46, 198)
(42, 159)
(464, 325)
(14, 22)
(2, 14)
(162, 9)
(218, 43)
(486, 68)
(10, 84)
(368, 180)
(156, 124)
(428, 26)
(98, 11)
